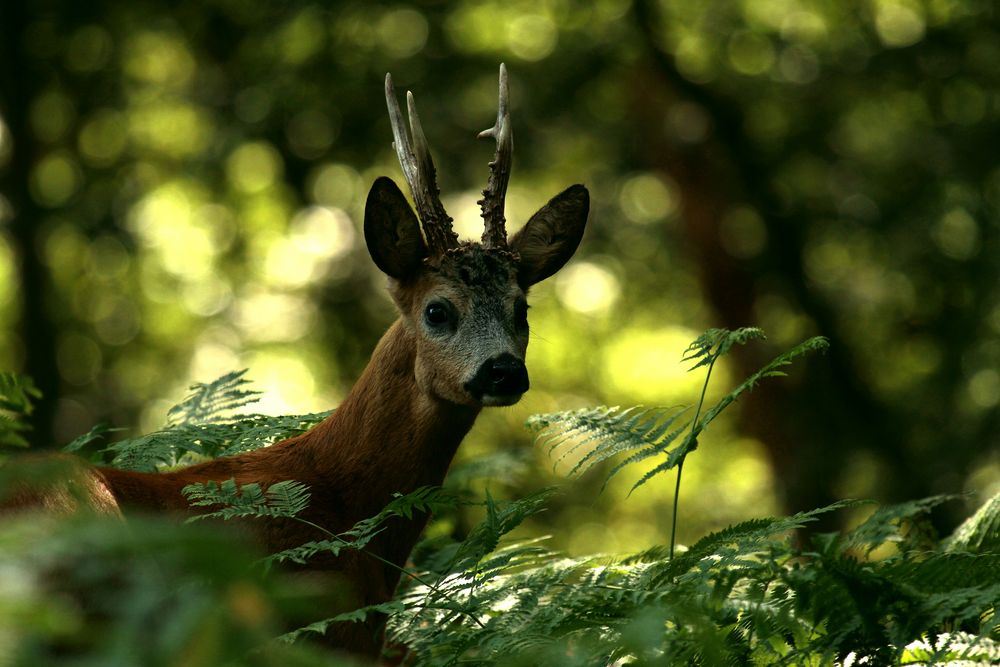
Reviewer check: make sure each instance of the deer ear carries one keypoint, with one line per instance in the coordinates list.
(392, 231)
(551, 236)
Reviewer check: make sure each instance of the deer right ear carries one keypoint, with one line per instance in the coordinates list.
(392, 231)
(551, 236)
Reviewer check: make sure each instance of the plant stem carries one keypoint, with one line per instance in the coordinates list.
(677, 493)
(692, 436)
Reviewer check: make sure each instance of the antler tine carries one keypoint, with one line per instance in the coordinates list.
(418, 169)
(492, 203)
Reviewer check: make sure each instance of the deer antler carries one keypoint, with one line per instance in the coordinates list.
(495, 233)
(418, 169)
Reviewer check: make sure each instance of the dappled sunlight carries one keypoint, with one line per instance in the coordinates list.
(166, 221)
(55, 179)
(335, 184)
(173, 129)
(645, 366)
(268, 317)
(254, 167)
(525, 29)
(648, 198)
(587, 288)
(317, 238)
(288, 380)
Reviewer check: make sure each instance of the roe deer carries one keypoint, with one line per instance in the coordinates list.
(458, 345)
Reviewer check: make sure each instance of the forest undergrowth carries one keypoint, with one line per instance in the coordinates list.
(80, 589)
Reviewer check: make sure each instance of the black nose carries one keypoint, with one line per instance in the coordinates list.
(504, 375)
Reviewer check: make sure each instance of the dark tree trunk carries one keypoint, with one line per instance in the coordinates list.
(18, 87)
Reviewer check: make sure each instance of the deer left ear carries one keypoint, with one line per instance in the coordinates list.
(551, 236)
(392, 231)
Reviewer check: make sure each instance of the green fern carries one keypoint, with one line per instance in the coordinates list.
(650, 432)
(980, 532)
(280, 500)
(213, 401)
(202, 426)
(17, 397)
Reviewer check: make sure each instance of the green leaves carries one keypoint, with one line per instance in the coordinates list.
(980, 532)
(213, 401)
(280, 500)
(204, 425)
(643, 432)
(17, 395)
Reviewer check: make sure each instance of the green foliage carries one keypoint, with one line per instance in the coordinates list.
(282, 499)
(745, 595)
(980, 532)
(17, 394)
(887, 591)
(213, 401)
(204, 425)
(644, 432)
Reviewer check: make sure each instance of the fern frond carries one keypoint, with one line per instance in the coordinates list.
(213, 401)
(97, 433)
(355, 616)
(980, 532)
(17, 398)
(425, 499)
(281, 500)
(770, 370)
(611, 431)
(716, 343)
(887, 523)
(303, 553)
(501, 518)
(168, 447)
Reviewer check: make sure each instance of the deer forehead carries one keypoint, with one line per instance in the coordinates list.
(471, 275)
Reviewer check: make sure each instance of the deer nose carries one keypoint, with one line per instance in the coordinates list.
(501, 376)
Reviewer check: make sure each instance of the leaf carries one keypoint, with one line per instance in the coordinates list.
(716, 343)
(284, 499)
(887, 523)
(610, 431)
(355, 616)
(769, 370)
(980, 532)
(213, 401)
(17, 397)
(168, 447)
(96, 433)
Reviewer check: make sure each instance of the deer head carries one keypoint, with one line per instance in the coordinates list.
(465, 303)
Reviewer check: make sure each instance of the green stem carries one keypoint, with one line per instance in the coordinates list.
(692, 436)
(677, 493)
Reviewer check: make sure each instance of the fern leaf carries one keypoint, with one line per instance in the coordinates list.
(424, 499)
(716, 343)
(501, 518)
(611, 432)
(355, 616)
(212, 401)
(304, 552)
(17, 398)
(980, 532)
(168, 447)
(283, 499)
(887, 523)
(96, 433)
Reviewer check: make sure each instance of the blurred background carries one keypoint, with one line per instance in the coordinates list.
(182, 187)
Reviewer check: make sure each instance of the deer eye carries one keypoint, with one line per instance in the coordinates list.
(436, 314)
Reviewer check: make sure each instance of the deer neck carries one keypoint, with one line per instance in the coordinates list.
(388, 435)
